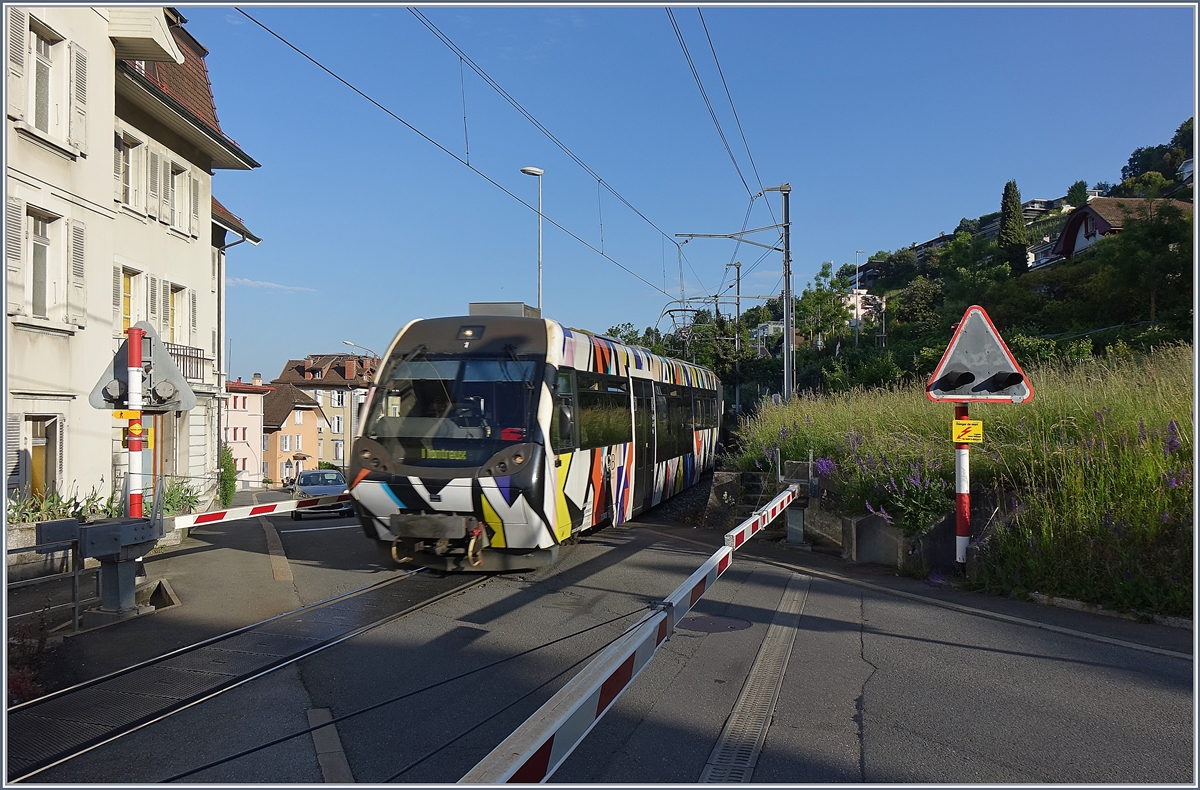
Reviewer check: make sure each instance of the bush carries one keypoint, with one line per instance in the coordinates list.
(53, 505)
(227, 477)
(178, 499)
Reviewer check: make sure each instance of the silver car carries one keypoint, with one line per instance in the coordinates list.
(321, 482)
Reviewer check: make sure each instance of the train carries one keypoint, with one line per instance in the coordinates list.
(488, 442)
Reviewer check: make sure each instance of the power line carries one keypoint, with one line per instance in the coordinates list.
(696, 75)
(453, 155)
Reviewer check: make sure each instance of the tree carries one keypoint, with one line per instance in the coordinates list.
(1012, 239)
(1103, 187)
(1153, 253)
(1143, 160)
(1077, 195)
(1150, 184)
(967, 226)
(919, 301)
(847, 273)
(822, 306)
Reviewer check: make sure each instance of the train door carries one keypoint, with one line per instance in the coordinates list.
(643, 443)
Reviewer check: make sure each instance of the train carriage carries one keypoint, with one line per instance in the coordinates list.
(489, 441)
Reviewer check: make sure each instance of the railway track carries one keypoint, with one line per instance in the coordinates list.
(60, 726)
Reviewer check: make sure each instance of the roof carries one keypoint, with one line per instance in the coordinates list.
(230, 221)
(331, 369)
(282, 401)
(248, 389)
(186, 89)
(1111, 214)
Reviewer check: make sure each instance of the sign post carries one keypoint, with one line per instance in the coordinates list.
(135, 420)
(977, 367)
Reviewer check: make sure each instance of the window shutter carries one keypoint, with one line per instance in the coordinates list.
(154, 193)
(13, 466)
(118, 149)
(155, 313)
(194, 183)
(167, 190)
(165, 309)
(14, 253)
(116, 300)
(77, 294)
(18, 43)
(213, 283)
(77, 134)
(214, 347)
(60, 438)
(192, 301)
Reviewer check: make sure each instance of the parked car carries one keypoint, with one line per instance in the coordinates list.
(321, 482)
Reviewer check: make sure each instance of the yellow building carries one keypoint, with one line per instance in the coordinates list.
(292, 422)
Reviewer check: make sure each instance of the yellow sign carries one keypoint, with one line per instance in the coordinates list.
(147, 439)
(135, 430)
(127, 414)
(445, 455)
(970, 431)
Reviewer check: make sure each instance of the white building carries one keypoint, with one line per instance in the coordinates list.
(112, 140)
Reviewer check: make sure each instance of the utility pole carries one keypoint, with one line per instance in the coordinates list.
(737, 337)
(786, 190)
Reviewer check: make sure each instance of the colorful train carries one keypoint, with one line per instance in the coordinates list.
(489, 441)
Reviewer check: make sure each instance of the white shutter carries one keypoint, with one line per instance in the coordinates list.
(118, 149)
(77, 291)
(154, 193)
(154, 312)
(194, 225)
(213, 284)
(192, 302)
(18, 46)
(166, 310)
(167, 190)
(116, 299)
(77, 134)
(14, 468)
(60, 439)
(14, 253)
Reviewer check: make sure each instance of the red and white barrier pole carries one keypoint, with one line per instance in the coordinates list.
(134, 384)
(962, 491)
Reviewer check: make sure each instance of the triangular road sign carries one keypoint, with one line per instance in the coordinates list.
(978, 366)
(164, 389)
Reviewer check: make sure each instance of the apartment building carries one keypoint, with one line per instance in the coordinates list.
(292, 421)
(338, 384)
(243, 432)
(112, 140)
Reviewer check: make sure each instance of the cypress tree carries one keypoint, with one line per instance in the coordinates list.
(1012, 239)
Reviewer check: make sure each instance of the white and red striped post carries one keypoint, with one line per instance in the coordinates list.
(134, 384)
(962, 491)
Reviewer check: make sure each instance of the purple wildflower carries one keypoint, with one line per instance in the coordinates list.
(808, 419)
(1141, 432)
(1166, 517)
(825, 467)
(885, 515)
(1171, 480)
(1172, 444)
(1099, 418)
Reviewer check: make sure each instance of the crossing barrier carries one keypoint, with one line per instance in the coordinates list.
(539, 746)
(265, 509)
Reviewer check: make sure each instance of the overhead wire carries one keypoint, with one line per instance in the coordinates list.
(406, 695)
(451, 154)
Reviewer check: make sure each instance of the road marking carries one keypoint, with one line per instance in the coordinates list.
(736, 753)
(335, 769)
(319, 529)
(279, 564)
(1004, 618)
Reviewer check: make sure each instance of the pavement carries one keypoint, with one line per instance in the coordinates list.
(232, 574)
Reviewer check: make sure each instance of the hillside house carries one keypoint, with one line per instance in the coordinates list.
(1100, 217)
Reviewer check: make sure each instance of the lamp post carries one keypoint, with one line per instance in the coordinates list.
(537, 171)
(857, 297)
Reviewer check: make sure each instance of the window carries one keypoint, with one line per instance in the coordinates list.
(40, 251)
(266, 444)
(337, 398)
(299, 418)
(299, 442)
(337, 449)
(604, 412)
(126, 298)
(316, 374)
(266, 468)
(1089, 225)
(562, 419)
(227, 434)
(337, 423)
(43, 60)
(285, 442)
(320, 447)
(127, 170)
(175, 311)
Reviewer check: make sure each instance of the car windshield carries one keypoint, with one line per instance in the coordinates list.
(321, 478)
(454, 411)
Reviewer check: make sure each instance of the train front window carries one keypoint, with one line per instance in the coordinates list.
(455, 411)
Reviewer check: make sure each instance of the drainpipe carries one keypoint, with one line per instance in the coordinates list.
(222, 373)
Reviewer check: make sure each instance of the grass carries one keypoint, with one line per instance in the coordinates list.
(1094, 475)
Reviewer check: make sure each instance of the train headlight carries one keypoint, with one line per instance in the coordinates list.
(518, 459)
(503, 467)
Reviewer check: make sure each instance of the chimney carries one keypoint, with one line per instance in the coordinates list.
(257, 379)
(350, 373)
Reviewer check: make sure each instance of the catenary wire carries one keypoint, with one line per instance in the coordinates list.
(406, 695)
(450, 153)
(699, 84)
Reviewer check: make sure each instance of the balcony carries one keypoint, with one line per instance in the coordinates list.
(190, 361)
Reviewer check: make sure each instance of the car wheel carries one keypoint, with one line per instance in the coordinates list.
(295, 515)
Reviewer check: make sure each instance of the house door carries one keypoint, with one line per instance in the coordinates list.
(43, 455)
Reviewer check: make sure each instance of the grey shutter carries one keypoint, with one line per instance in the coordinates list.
(14, 253)
(192, 301)
(194, 223)
(77, 134)
(60, 450)
(166, 311)
(13, 466)
(118, 149)
(213, 284)
(167, 189)
(18, 46)
(154, 194)
(117, 282)
(77, 290)
(154, 311)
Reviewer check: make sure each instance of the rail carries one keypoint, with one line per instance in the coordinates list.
(76, 570)
(189, 359)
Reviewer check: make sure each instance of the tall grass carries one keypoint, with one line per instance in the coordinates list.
(1096, 473)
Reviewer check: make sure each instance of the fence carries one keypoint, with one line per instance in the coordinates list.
(76, 603)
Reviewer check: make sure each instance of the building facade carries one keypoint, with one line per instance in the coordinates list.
(243, 433)
(338, 384)
(112, 140)
(292, 424)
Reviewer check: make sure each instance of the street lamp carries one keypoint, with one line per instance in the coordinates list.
(537, 171)
(857, 297)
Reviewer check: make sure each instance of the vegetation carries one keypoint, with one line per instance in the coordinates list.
(1012, 238)
(53, 505)
(178, 498)
(1094, 477)
(227, 476)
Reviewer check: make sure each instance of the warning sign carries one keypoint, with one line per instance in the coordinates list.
(127, 414)
(970, 431)
(147, 435)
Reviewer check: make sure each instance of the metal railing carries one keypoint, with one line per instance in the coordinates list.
(76, 569)
(189, 359)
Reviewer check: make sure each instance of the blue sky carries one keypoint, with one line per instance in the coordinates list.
(890, 124)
